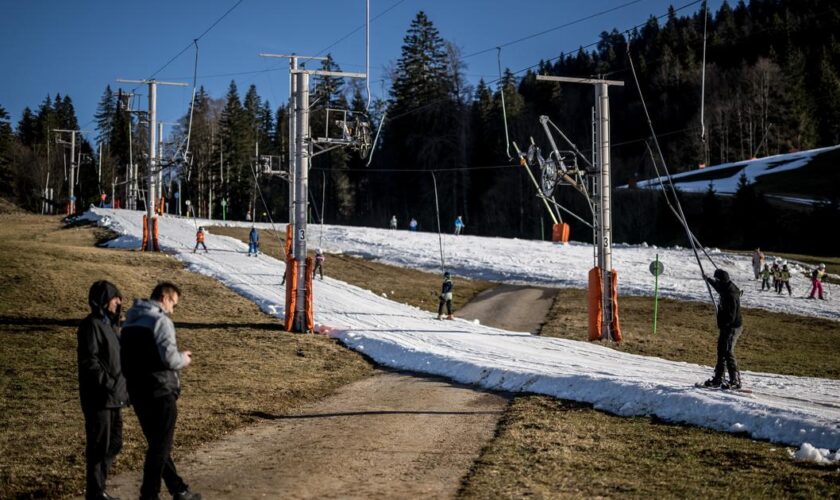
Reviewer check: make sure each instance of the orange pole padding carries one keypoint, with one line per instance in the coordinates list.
(289, 238)
(145, 232)
(155, 235)
(594, 301)
(161, 205)
(560, 233)
(616, 326)
(310, 313)
(291, 293)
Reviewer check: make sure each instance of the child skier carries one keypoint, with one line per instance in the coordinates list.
(445, 296)
(393, 223)
(765, 278)
(816, 282)
(459, 225)
(253, 241)
(319, 263)
(199, 240)
(730, 324)
(777, 276)
(785, 283)
(412, 226)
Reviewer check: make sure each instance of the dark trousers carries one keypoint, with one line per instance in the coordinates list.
(318, 269)
(103, 430)
(448, 307)
(783, 285)
(202, 246)
(726, 354)
(157, 418)
(765, 283)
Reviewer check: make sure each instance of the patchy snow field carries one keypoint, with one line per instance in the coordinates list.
(785, 409)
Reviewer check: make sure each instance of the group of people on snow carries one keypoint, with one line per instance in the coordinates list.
(413, 224)
(779, 272)
(133, 362)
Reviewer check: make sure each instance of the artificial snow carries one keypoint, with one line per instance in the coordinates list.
(809, 453)
(785, 409)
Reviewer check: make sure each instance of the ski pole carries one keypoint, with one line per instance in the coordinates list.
(656, 294)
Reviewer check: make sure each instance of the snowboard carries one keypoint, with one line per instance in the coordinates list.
(721, 389)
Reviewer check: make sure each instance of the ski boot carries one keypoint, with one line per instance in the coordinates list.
(713, 383)
(449, 317)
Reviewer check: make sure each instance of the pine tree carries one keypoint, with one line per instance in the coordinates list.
(6, 140)
(105, 115)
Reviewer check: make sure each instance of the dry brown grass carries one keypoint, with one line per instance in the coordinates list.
(546, 448)
(686, 331)
(408, 286)
(550, 448)
(243, 363)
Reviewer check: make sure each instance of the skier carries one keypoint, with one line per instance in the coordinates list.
(730, 324)
(757, 262)
(199, 240)
(445, 296)
(459, 225)
(777, 275)
(412, 226)
(816, 282)
(319, 263)
(253, 241)
(765, 277)
(393, 222)
(785, 279)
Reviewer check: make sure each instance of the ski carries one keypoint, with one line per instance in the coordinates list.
(723, 389)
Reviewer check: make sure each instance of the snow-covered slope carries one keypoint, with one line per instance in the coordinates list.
(546, 264)
(724, 178)
(791, 410)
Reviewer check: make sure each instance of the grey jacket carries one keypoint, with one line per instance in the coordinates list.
(150, 357)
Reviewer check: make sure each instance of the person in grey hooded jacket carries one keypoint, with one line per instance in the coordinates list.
(102, 388)
(151, 364)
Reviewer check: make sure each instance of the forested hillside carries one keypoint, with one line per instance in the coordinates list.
(772, 85)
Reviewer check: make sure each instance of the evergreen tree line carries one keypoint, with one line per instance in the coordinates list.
(772, 85)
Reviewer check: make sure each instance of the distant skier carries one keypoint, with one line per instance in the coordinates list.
(199, 240)
(776, 270)
(757, 262)
(459, 225)
(785, 279)
(393, 223)
(816, 282)
(765, 278)
(445, 296)
(253, 242)
(412, 226)
(731, 325)
(319, 263)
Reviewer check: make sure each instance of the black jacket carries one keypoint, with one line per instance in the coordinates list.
(101, 382)
(729, 309)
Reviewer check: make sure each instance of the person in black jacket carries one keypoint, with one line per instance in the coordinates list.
(445, 296)
(102, 388)
(151, 362)
(731, 325)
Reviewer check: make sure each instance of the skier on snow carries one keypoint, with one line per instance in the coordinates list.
(777, 275)
(731, 325)
(445, 296)
(253, 241)
(319, 264)
(765, 278)
(393, 224)
(785, 279)
(816, 282)
(459, 225)
(757, 262)
(412, 226)
(199, 240)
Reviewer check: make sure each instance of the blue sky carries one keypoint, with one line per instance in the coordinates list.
(79, 47)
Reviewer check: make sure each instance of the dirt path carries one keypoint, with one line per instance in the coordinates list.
(393, 435)
(509, 307)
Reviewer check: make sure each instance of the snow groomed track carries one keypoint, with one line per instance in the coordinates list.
(785, 409)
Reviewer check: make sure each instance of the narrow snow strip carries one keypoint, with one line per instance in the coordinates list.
(790, 410)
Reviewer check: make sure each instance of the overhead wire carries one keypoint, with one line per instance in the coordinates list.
(681, 217)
